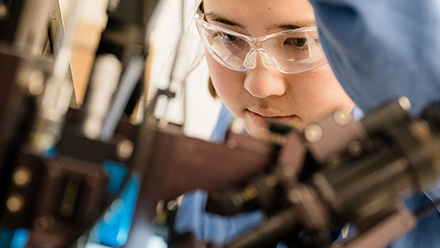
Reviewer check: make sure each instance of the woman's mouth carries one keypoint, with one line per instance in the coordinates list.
(260, 119)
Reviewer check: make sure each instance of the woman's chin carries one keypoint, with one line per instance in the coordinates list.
(259, 132)
(264, 133)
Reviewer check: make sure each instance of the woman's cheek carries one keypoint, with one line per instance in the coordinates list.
(227, 83)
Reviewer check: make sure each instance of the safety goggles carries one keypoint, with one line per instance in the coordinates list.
(290, 51)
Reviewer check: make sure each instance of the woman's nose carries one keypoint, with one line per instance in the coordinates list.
(262, 82)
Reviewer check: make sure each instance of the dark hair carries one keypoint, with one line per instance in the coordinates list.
(211, 88)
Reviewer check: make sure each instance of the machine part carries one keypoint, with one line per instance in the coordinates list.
(104, 81)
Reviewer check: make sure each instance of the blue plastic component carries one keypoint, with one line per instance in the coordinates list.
(20, 238)
(112, 230)
(11, 238)
(117, 174)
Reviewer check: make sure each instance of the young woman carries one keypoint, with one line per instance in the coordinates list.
(265, 61)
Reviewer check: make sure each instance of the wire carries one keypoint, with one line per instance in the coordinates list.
(423, 210)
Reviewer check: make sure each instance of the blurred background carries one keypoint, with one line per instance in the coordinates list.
(201, 110)
(172, 16)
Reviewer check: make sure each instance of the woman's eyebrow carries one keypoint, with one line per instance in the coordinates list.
(294, 25)
(287, 26)
(220, 19)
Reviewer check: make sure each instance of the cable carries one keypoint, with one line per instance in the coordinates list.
(425, 209)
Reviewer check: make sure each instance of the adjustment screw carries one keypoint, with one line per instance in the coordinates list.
(355, 148)
(342, 116)
(22, 176)
(237, 126)
(15, 203)
(405, 103)
(125, 149)
(313, 133)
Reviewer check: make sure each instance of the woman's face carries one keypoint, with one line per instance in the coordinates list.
(294, 99)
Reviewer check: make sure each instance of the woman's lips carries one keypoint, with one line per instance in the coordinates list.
(260, 120)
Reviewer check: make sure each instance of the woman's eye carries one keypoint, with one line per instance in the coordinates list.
(298, 42)
(228, 37)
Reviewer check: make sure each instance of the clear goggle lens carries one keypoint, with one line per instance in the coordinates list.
(291, 51)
